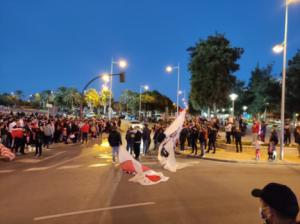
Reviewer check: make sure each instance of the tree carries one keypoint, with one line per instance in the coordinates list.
(104, 98)
(92, 98)
(264, 90)
(130, 100)
(293, 85)
(212, 63)
(67, 97)
(46, 97)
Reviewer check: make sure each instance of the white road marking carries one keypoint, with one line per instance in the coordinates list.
(69, 167)
(92, 210)
(6, 171)
(36, 160)
(37, 169)
(52, 156)
(99, 165)
(65, 161)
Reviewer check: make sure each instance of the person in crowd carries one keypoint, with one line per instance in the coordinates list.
(160, 136)
(115, 141)
(255, 129)
(202, 141)
(272, 145)
(278, 204)
(85, 131)
(287, 134)
(146, 136)
(38, 141)
(130, 134)
(257, 145)
(228, 131)
(137, 142)
(193, 138)
(263, 131)
(297, 138)
(212, 137)
(183, 136)
(238, 139)
(48, 134)
(17, 136)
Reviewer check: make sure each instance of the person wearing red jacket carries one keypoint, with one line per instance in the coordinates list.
(85, 131)
(17, 136)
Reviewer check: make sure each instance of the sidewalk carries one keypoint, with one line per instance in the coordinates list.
(247, 156)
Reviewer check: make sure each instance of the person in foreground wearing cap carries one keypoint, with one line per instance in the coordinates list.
(278, 204)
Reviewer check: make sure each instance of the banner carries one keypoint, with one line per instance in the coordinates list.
(166, 150)
(6, 153)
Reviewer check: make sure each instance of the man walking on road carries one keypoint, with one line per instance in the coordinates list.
(146, 138)
(115, 141)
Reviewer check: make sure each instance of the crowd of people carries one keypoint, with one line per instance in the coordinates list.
(20, 131)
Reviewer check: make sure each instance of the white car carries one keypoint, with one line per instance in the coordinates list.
(90, 115)
(134, 124)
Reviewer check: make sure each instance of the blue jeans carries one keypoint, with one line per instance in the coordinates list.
(115, 152)
(145, 146)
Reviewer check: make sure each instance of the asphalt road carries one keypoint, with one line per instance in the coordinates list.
(77, 184)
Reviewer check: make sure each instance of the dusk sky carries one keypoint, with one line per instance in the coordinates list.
(45, 44)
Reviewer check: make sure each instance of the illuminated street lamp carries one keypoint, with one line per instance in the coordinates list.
(278, 49)
(105, 78)
(233, 97)
(122, 64)
(145, 87)
(245, 108)
(169, 69)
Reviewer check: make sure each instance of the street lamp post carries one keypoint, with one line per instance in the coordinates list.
(122, 64)
(169, 69)
(233, 97)
(278, 49)
(145, 87)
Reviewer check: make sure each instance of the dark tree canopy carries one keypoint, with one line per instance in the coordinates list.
(293, 85)
(212, 64)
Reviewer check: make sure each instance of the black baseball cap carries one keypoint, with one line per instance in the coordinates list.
(279, 197)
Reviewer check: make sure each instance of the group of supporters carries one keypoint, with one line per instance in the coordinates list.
(199, 131)
(137, 136)
(20, 131)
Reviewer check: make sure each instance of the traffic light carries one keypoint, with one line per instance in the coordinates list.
(122, 77)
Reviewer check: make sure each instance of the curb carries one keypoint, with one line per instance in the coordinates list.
(241, 161)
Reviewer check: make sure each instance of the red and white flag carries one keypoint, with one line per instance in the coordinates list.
(6, 153)
(166, 150)
(142, 174)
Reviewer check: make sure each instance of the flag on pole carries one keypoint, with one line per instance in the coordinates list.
(6, 153)
(166, 150)
(142, 174)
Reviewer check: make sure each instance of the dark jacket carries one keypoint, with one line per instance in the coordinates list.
(114, 139)
(297, 137)
(160, 137)
(146, 134)
(138, 137)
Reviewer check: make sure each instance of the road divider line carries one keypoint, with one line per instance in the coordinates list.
(99, 165)
(92, 210)
(69, 167)
(37, 169)
(6, 171)
(50, 157)
(65, 161)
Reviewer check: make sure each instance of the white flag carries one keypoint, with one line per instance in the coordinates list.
(166, 151)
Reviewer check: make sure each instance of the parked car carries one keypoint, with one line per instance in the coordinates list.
(136, 123)
(90, 115)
